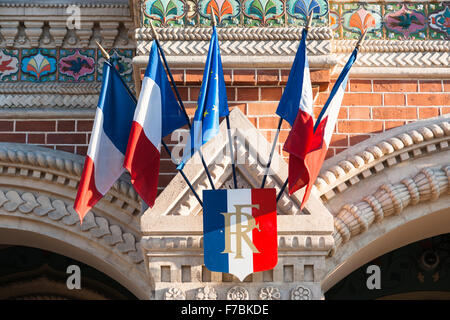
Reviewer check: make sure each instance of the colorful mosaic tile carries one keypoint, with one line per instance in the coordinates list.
(165, 12)
(358, 18)
(122, 60)
(439, 20)
(226, 11)
(9, 65)
(299, 10)
(38, 65)
(77, 65)
(263, 12)
(405, 21)
(335, 20)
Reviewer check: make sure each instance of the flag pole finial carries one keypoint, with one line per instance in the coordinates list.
(361, 39)
(104, 53)
(309, 21)
(155, 34)
(213, 17)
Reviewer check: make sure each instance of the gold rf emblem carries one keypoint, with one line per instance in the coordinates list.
(241, 231)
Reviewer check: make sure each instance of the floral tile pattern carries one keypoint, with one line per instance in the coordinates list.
(38, 65)
(357, 19)
(121, 60)
(9, 65)
(405, 21)
(439, 20)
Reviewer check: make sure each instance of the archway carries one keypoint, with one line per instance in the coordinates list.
(418, 271)
(28, 274)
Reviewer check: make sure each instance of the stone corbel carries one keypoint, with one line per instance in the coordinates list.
(9, 30)
(85, 33)
(109, 32)
(58, 32)
(33, 31)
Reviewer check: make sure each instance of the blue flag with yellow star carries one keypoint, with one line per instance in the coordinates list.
(212, 103)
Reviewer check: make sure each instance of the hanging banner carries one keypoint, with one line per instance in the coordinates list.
(240, 230)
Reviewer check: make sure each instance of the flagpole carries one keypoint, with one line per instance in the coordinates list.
(183, 175)
(280, 122)
(230, 140)
(358, 45)
(183, 108)
(108, 58)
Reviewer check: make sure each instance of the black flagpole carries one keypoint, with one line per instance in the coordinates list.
(230, 140)
(180, 100)
(358, 44)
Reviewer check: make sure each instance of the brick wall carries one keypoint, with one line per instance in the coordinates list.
(369, 107)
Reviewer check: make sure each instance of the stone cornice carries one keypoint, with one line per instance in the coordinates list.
(390, 199)
(386, 150)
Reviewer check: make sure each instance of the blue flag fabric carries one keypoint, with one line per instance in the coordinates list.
(212, 102)
(289, 103)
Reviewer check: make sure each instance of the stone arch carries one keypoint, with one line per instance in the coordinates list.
(37, 190)
(387, 192)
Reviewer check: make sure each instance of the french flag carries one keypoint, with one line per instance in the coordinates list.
(157, 115)
(104, 161)
(261, 232)
(324, 127)
(296, 107)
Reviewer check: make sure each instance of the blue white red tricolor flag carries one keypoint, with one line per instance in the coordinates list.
(240, 230)
(104, 161)
(296, 107)
(157, 115)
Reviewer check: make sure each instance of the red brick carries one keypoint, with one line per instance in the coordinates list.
(321, 99)
(360, 85)
(262, 108)
(430, 85)
(268, 76)
(333, 82)
(253, 120)
(43, 126)
(82, 150)
(425, 113)
(228, 76)
(355, 139)
(339, 150)
(394, 113)
(339, 140)
(272, 123)
(190, 108)
(395, 86)
(167, 166)
(231, 94)
(65, 125)
(356, 126)
(362, 99)
(359, 113)
(320, 75)
(85, 125)
(445, 110)
(394, 99)
(244, 77)
(393, 124)
(36, 138)
(184, 93)
(13, 137)
(330, 153)
(193, 93)
(70, 149)
(271, 93)
(446, 85)
(241, 106)
(324, 87)
(284, 76)
(248, 94)
(178, 75)
(165, 179)
(194, 77)
(429, 99)
(6, 126)
(343, 112)
(66, 138)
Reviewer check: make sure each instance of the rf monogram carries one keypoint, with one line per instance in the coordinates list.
(241, 231)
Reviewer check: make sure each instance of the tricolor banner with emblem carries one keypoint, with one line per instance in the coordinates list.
(240, 231)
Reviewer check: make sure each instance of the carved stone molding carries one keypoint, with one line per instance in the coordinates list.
(237, 293)
(59, 211)
(175, 294)
(61, 168)
(269, 293)
(206, 293)
(301, 293)
(419, 140)
(390, 199)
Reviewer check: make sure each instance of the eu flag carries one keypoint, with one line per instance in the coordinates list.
(212, 102)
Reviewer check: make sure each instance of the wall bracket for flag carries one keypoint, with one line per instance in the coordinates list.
(183, 108)
(230, 139)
